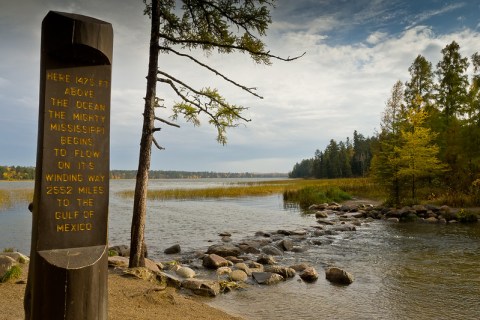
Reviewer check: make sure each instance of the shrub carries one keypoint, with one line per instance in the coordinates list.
(307, 196)
(466, 216)
(13, 273)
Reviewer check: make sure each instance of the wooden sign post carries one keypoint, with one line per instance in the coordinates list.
(68, 269)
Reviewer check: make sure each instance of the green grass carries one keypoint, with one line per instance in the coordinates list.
(315, 195)
(14, 273)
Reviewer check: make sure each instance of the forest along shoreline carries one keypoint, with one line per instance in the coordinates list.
(229, 265)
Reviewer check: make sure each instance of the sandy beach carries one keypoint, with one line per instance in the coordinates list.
(128, 298)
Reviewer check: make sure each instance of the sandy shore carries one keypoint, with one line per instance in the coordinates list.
(128, 298)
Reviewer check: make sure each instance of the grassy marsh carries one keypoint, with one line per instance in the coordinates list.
(358, 187)
(11, 197)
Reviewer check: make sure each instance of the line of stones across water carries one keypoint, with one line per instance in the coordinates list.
(260, 259)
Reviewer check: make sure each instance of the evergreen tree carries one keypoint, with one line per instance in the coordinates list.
(421, 82)
(452, 82)
(385, 162)
(452, 101)
(304, 169)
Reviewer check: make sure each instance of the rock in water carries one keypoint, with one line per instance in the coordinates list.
(185, 272)
(337, 275)
(224, 250)
(214, 261)
(267, 278)
(309, 274)
(285, 272)
(202, 288)
(173, 249)
(238, 275)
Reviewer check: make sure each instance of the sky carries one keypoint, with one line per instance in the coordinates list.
(355, 51)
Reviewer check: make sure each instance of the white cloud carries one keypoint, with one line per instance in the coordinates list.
(376, 37)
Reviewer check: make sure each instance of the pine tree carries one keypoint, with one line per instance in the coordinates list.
(384, 165)
(179, 28)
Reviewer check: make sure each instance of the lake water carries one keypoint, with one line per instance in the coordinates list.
(402, 271)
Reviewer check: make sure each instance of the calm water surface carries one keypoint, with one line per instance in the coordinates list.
(402, 271)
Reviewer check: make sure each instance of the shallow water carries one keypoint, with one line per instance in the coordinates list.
(402, 271)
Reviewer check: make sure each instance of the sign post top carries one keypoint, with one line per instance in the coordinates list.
(81, 38)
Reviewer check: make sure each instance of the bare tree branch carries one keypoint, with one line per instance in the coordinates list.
(156, 144)
(167, 122)
(249, 90)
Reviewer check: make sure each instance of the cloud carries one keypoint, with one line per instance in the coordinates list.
(424, 16)
(376, 37)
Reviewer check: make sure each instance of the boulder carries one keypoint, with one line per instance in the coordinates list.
(122, 250)
(226, 239)
(262, 234)
(17, 256)
(298, 232)
(225, 234)
(223, 270)
(339, 276)
(393, 220)
(431, 220)
(285, 272)
(118, 262)
(249, 249)
(224, 250)
(321, 214)
(255, 265)
(309, 274)
(238, 275)
(357, 214)
(321, 206)
(6, 263)
(267, 278)
(300, 267)
(151, 265)
(201, 287)
(325, 222)
(299, 249)
(214, 261)
(285, 244)
(234, 259)
(272, 250)
(344, 227)
(173, 249)
(242, 266)
(266, 259)
(185, 272)
(421, 209)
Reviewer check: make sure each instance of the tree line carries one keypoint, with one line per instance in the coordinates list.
(160, 174)
(429, 134)
(11, 173)
(344, 159)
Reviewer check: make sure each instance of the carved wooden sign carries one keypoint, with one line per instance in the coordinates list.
(68, 271)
